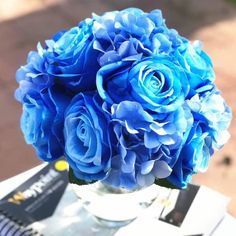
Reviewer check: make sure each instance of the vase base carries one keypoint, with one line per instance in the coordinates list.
(112, 224)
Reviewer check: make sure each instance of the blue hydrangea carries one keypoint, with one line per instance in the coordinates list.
(131, 34)
(87, 147)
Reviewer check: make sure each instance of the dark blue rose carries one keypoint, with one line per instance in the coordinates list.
(157, 83)
(87, 139)
(131, 34)
(71, 59)
(42, 122)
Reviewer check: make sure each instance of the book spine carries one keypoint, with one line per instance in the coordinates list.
(10, 226)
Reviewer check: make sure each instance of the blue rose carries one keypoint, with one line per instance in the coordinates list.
(146, 148)
(131, 34)
(193, 158)
(209, 132)
(87, 139)
(198, 67)
(157, 83)
(43, 108)
(68, 57)
(42, 122)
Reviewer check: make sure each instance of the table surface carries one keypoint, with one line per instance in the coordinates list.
(226, 227)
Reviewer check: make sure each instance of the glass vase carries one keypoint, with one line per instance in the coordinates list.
(112, 207)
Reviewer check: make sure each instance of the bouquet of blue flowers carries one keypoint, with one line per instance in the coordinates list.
(127, 101)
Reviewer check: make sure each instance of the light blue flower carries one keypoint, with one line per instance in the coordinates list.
(87, 139)
(157, 83)
(209, 132)
(216, 115)
(198, 67)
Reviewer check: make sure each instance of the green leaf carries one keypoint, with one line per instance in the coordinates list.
(74, 180)
(165, 183)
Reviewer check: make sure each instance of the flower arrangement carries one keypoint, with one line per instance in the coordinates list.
(125, 99)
